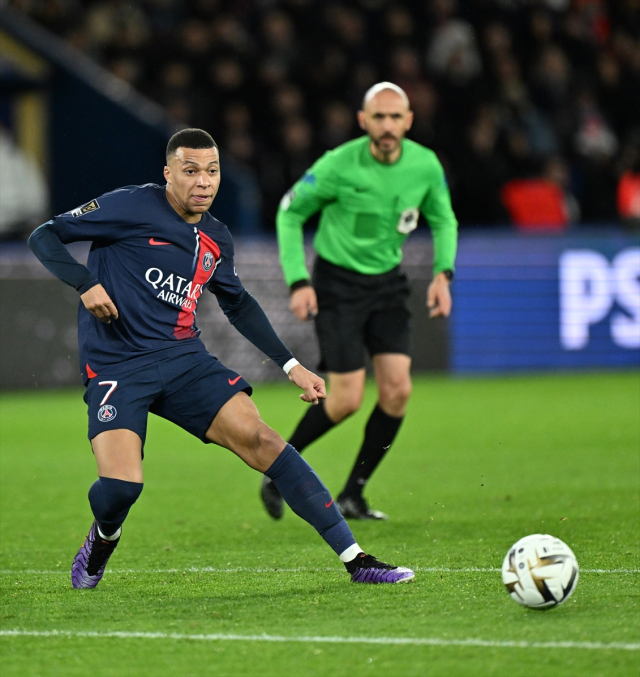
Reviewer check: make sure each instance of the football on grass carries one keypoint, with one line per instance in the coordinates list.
(540, 571)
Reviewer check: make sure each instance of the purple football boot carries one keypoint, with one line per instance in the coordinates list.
(367, 569)
(88, 565)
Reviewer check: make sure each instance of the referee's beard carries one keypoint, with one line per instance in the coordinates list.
(386, 143)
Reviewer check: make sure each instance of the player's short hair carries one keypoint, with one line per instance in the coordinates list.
(190, 138)
(380, 87)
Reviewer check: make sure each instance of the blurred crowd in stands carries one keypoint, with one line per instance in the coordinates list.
(501, 89)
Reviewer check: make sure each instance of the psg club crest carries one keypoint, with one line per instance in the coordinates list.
(107, 413)
(207, 261)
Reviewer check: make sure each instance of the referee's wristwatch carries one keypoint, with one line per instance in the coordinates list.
(448, 273)
(299, 285)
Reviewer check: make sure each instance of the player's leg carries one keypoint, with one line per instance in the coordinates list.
(343, 399)
(393, 378)
(118, 454)
(237, 426)
(117, 426)
(339, 327)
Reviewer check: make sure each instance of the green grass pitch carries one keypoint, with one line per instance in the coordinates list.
(210, 583)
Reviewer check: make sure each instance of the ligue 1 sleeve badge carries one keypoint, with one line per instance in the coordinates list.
(207, 261)
(107, 413)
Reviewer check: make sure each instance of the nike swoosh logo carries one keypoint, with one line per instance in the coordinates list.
(235, 380)
(152, 241)
(328, 505)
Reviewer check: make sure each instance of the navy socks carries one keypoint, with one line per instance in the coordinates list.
(307, 496)
(111, 500)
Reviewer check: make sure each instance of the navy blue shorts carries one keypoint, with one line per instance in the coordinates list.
(188, 390)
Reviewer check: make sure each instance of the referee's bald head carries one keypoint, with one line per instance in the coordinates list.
(381, 87)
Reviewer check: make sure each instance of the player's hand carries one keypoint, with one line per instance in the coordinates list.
(98, 303)
(304, 303)
(313, 385)
(439, 297)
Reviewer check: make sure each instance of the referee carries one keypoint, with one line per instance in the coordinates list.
(370, 192)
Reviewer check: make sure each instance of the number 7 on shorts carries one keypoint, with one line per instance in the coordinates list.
(113, 384)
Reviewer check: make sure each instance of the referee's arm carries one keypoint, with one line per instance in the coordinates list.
(308, 196)
(303, 302)
(437, 209)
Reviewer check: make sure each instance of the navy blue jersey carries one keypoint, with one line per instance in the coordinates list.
(154, 266)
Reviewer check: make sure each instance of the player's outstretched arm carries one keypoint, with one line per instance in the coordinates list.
(312, 384)
(439, 297)
(99, 304)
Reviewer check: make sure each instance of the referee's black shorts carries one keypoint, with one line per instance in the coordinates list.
(357, 311)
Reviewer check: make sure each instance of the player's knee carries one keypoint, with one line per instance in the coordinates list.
(268, 445)
(110, 497)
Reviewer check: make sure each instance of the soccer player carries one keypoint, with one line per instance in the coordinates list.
(154, 251)
(370, 192)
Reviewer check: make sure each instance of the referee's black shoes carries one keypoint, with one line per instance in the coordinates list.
(356, 508)
(271, 498)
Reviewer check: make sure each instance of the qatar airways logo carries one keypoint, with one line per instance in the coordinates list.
(172, 288)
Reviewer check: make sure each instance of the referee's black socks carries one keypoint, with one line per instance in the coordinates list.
(314, 424)
(379, 434)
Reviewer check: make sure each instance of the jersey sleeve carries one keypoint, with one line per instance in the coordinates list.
(45, 243)
(104, 219)
(107, 219)
(309, 195)
(436, 208)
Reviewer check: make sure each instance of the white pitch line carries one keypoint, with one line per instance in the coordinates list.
(267, 570)
(415, 641)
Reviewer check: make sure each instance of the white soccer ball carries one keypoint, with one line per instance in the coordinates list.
(540, 571)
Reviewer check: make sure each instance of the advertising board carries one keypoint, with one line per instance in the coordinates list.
(543, 302)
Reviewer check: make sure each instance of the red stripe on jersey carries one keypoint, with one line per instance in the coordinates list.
(90, 372)
(208, 255)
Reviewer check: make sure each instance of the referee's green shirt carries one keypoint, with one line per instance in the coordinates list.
(368, 209)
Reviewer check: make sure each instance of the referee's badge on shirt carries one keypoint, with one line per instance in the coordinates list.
(408, 220)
